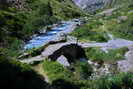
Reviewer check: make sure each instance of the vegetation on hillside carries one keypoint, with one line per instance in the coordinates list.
(79, 80)
(16, 26)
(15, 75)
(77, 71)
(113, 55)
(118, 81)
(55, 70)
(89, 32)
(119, 23)
(18, 75)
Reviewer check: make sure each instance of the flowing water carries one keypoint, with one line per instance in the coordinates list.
(44, 38)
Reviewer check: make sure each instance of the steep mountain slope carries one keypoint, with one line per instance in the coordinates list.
(114, 20)
(18, 22)
(92, 5)
(19, 19)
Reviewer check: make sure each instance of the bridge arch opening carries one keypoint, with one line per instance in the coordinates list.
(72, 52)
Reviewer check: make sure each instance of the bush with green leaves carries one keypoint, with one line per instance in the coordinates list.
(97, 28)
(97, 54)
(113, 25)
(88, 32)
(75, 72)
(17, 26)
(82, 70)
(123, 29)
(19, 76)
(118, 81)
(55, 70)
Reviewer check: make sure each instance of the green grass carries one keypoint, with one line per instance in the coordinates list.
(19, 75)
(77, 71)
(113, 55)
(118, 81)
(55, 71)
(82, 70)
(97, 27)
(88, 32)
(123, 29)
(17, 26)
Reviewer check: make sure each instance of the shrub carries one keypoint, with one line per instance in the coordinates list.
(55, 71)
(118, 81)
(96, 54)
(87, 32)
(82, 70)
(19, 25)
(19, 76)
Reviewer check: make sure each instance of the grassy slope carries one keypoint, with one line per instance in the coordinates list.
(113, 55)
(19, 72)
(19, 76)
(97, 27)
(57, 72)
(17, 26)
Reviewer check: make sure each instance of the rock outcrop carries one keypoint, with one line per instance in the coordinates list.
(92, 5)
(19, 4)
(63, 60)
(127, 64)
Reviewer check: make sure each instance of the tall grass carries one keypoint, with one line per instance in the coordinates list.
(97, 54)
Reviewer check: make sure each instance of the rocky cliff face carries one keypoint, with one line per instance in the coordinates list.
(14, 3)
(92, 5)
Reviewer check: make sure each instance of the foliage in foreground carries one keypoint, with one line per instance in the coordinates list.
(15, 75)
(55, 71)
(114, 81)
(118, 81)
(20, 76)
(75, 72)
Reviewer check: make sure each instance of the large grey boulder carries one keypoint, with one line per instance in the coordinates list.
(127, 64)
(122, 19)
(63, 60)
